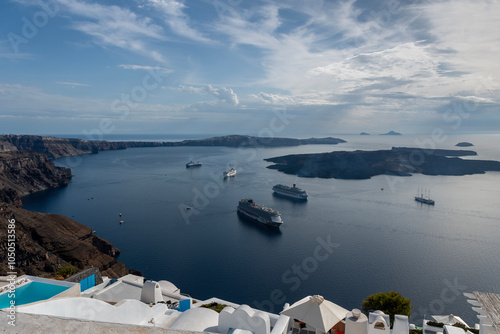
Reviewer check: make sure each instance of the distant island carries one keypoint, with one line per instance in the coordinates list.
(400, 161)
(242, 141)
(391, 133)
(364, 134)
(464, 144)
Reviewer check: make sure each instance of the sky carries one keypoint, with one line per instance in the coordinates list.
(268, 68)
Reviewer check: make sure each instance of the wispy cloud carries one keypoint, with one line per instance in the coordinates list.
(175, 18)
(146, 68)
(223, 94)
(71, 84)
(113, 26)
(268, 98)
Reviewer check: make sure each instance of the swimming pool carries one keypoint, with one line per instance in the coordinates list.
(31, 292)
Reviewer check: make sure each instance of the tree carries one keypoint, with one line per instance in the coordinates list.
(390, 303)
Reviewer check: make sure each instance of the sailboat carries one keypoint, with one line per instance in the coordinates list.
(424, 199)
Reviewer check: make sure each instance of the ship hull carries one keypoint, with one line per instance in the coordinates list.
(424, 200)
(257, 218)
(290, 192)
(258, 213)
(292, 196)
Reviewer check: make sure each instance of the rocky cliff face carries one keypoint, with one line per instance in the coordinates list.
(46, 242)
(28, 172)
(55, 147)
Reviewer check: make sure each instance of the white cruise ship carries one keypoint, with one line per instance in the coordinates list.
(292, 192)
(259, 213)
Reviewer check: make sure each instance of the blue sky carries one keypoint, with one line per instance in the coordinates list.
(280, 68)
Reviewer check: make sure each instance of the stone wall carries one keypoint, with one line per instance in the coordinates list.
(86, 273)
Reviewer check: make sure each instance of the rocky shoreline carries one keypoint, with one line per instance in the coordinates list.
(46, 243)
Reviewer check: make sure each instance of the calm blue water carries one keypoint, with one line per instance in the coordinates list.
(31, 292)
(383, 239)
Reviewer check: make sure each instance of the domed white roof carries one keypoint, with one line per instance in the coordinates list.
(196, 319)
(168, 287)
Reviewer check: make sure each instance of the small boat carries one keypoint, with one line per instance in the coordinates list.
(121, 222)
(193, 164)
(424, 199)
(229, 173)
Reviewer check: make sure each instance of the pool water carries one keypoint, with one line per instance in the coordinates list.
(31, 292)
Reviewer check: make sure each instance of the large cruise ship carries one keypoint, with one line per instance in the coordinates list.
(292, 192)
(267, 216)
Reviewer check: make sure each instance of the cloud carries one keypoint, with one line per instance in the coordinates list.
(223, 94)
(272, 98)
(146, 68)
(111, 25)
(72, 84)
(346, 61)
(175, 18)
(338, 48)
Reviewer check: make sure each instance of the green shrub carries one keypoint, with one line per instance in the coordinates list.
(435, 324)
(215, 306)
(390, 303)
(68, 270)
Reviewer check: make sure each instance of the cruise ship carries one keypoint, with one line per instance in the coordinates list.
(193, 164)
(259, 213)
(292, 192)
(229, 173)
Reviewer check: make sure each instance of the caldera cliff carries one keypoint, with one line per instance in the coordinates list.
(45, 243)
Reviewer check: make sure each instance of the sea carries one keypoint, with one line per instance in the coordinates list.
(351, 239)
